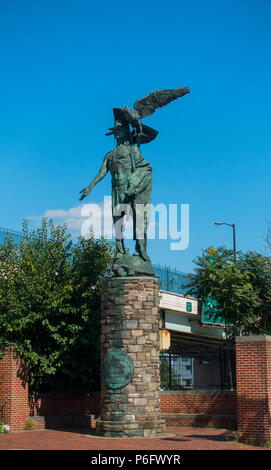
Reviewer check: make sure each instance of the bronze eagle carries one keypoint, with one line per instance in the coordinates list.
(144, 107)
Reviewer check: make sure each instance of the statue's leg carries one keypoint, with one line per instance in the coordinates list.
(141, 243)
(118, 227)
(141, 221)
(141, 212)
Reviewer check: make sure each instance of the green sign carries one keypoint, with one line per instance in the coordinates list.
(189, 306)
(211, 312)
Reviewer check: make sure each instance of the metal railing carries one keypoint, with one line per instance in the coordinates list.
(170, 279)
(200, 366)
(4, 232)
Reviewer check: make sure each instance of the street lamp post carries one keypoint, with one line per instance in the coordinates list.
(233, 233)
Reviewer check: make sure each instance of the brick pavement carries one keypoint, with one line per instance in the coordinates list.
(182, 438)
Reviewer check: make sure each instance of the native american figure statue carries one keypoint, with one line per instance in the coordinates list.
(132, 178)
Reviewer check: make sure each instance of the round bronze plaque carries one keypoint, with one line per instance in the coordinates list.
(118, 368)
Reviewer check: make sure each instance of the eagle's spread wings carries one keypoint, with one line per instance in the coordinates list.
(157, 99)
(145, 107)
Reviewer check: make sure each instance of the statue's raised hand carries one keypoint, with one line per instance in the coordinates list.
(85, 192)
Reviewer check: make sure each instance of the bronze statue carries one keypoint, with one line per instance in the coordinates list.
(132, 178)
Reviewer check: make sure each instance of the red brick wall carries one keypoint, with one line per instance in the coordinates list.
(47, 404)
(186, 402)
(180, 408)
(198, 402)
(14, 390)
(199, 408)
(253, 364)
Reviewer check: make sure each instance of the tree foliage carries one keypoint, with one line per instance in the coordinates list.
(50, 303)
(242, 289)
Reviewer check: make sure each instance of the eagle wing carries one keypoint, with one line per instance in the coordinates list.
(157, 99)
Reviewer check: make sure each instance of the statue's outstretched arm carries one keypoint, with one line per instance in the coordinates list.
(103, 171)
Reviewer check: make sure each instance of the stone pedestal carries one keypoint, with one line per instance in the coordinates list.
(130, 387)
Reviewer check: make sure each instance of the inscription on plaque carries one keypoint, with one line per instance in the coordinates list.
(118, 369)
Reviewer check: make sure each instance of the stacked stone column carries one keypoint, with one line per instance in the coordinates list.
(130, 329)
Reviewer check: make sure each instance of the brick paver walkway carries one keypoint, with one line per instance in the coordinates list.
(182, 438)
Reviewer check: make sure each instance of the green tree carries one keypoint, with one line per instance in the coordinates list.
(50, 302)
(258, 268)
(242, 289)
(268, 240)
(164, 373)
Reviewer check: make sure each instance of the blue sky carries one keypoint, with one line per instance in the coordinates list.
(65, 65)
